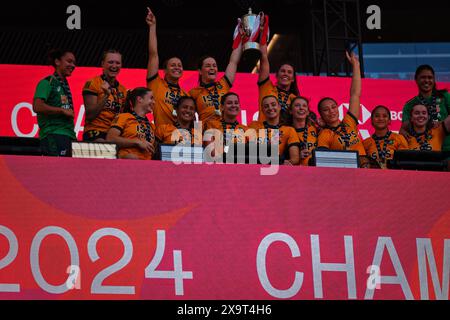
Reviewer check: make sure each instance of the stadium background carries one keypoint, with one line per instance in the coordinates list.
(190, 29)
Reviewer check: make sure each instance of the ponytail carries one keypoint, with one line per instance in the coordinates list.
(132, 96)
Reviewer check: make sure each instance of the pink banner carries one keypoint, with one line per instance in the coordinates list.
(16, 95)
(118, 229)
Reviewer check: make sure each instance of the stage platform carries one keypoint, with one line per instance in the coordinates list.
(121, 229)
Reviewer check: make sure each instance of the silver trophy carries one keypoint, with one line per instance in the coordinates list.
(250, 27)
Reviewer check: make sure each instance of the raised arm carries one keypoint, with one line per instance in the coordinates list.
(235, 57)
(264, 66)
(153, 59)
(355, 91)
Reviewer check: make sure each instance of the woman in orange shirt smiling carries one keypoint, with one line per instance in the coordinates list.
(343, 135)
(422, 135)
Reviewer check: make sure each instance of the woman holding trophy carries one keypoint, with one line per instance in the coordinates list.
(286, 88)
(210, 90)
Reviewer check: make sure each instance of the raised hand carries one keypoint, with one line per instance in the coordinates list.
(262, 20)
(352, 59)
(150, 19)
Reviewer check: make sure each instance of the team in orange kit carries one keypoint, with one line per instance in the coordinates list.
(104, 98)
(286, 88)
(380, 147)
(231, 131)
(166, 90)
(306, 129)
(210, 90)
(271, 131)
(423, 134)
(113, 114)
(185, 130)
(343, 135)
(132, 131)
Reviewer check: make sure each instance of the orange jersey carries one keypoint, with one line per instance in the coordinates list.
(344, 137)
(207, 99)
(267, 88)
(113, 105)
(387, 147)
(166, 97)
(430, 140)
(131, 128)
(233, 131)
(170, 134)
(310, 143)
(287, 137)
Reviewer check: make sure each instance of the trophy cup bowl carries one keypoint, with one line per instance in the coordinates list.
(249, 25)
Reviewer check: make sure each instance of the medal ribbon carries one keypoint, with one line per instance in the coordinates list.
(65, 85)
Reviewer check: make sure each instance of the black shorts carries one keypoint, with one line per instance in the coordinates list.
(57, 145)
(93, 135)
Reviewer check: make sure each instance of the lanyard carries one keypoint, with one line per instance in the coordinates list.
(424, 145)
(144, 123)
(432, 106)
(343, 135)
(65, 86)
(382, 153)
(213, 96)
(114, 92)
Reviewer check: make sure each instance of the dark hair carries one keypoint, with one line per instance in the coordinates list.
(200, 65)
(294, 85)
(132, 96)
(380, 107)
(225, 96)
(299, 98)
(322, 101)
(310, 119)
(105, 53)
(57, 54)
(269, 96)
(423, 67)
(427, 67)
(429, 123)
(182, 99)
(166, 62)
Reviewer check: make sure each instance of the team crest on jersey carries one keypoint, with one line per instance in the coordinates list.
(64, 99)
(140, 130)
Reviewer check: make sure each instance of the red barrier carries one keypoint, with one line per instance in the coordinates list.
(16, 95)
(118, 229)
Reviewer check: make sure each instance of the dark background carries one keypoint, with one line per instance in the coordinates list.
(190, 29)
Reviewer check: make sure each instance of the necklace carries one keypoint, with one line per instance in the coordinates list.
(268, 127)
(65, 86)
(382, 154)
(343, 134)
(283, 101)
(114, 92)
(213, 96)
(145, 124)
(424, 145)
(432, 106)
(304, 143)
